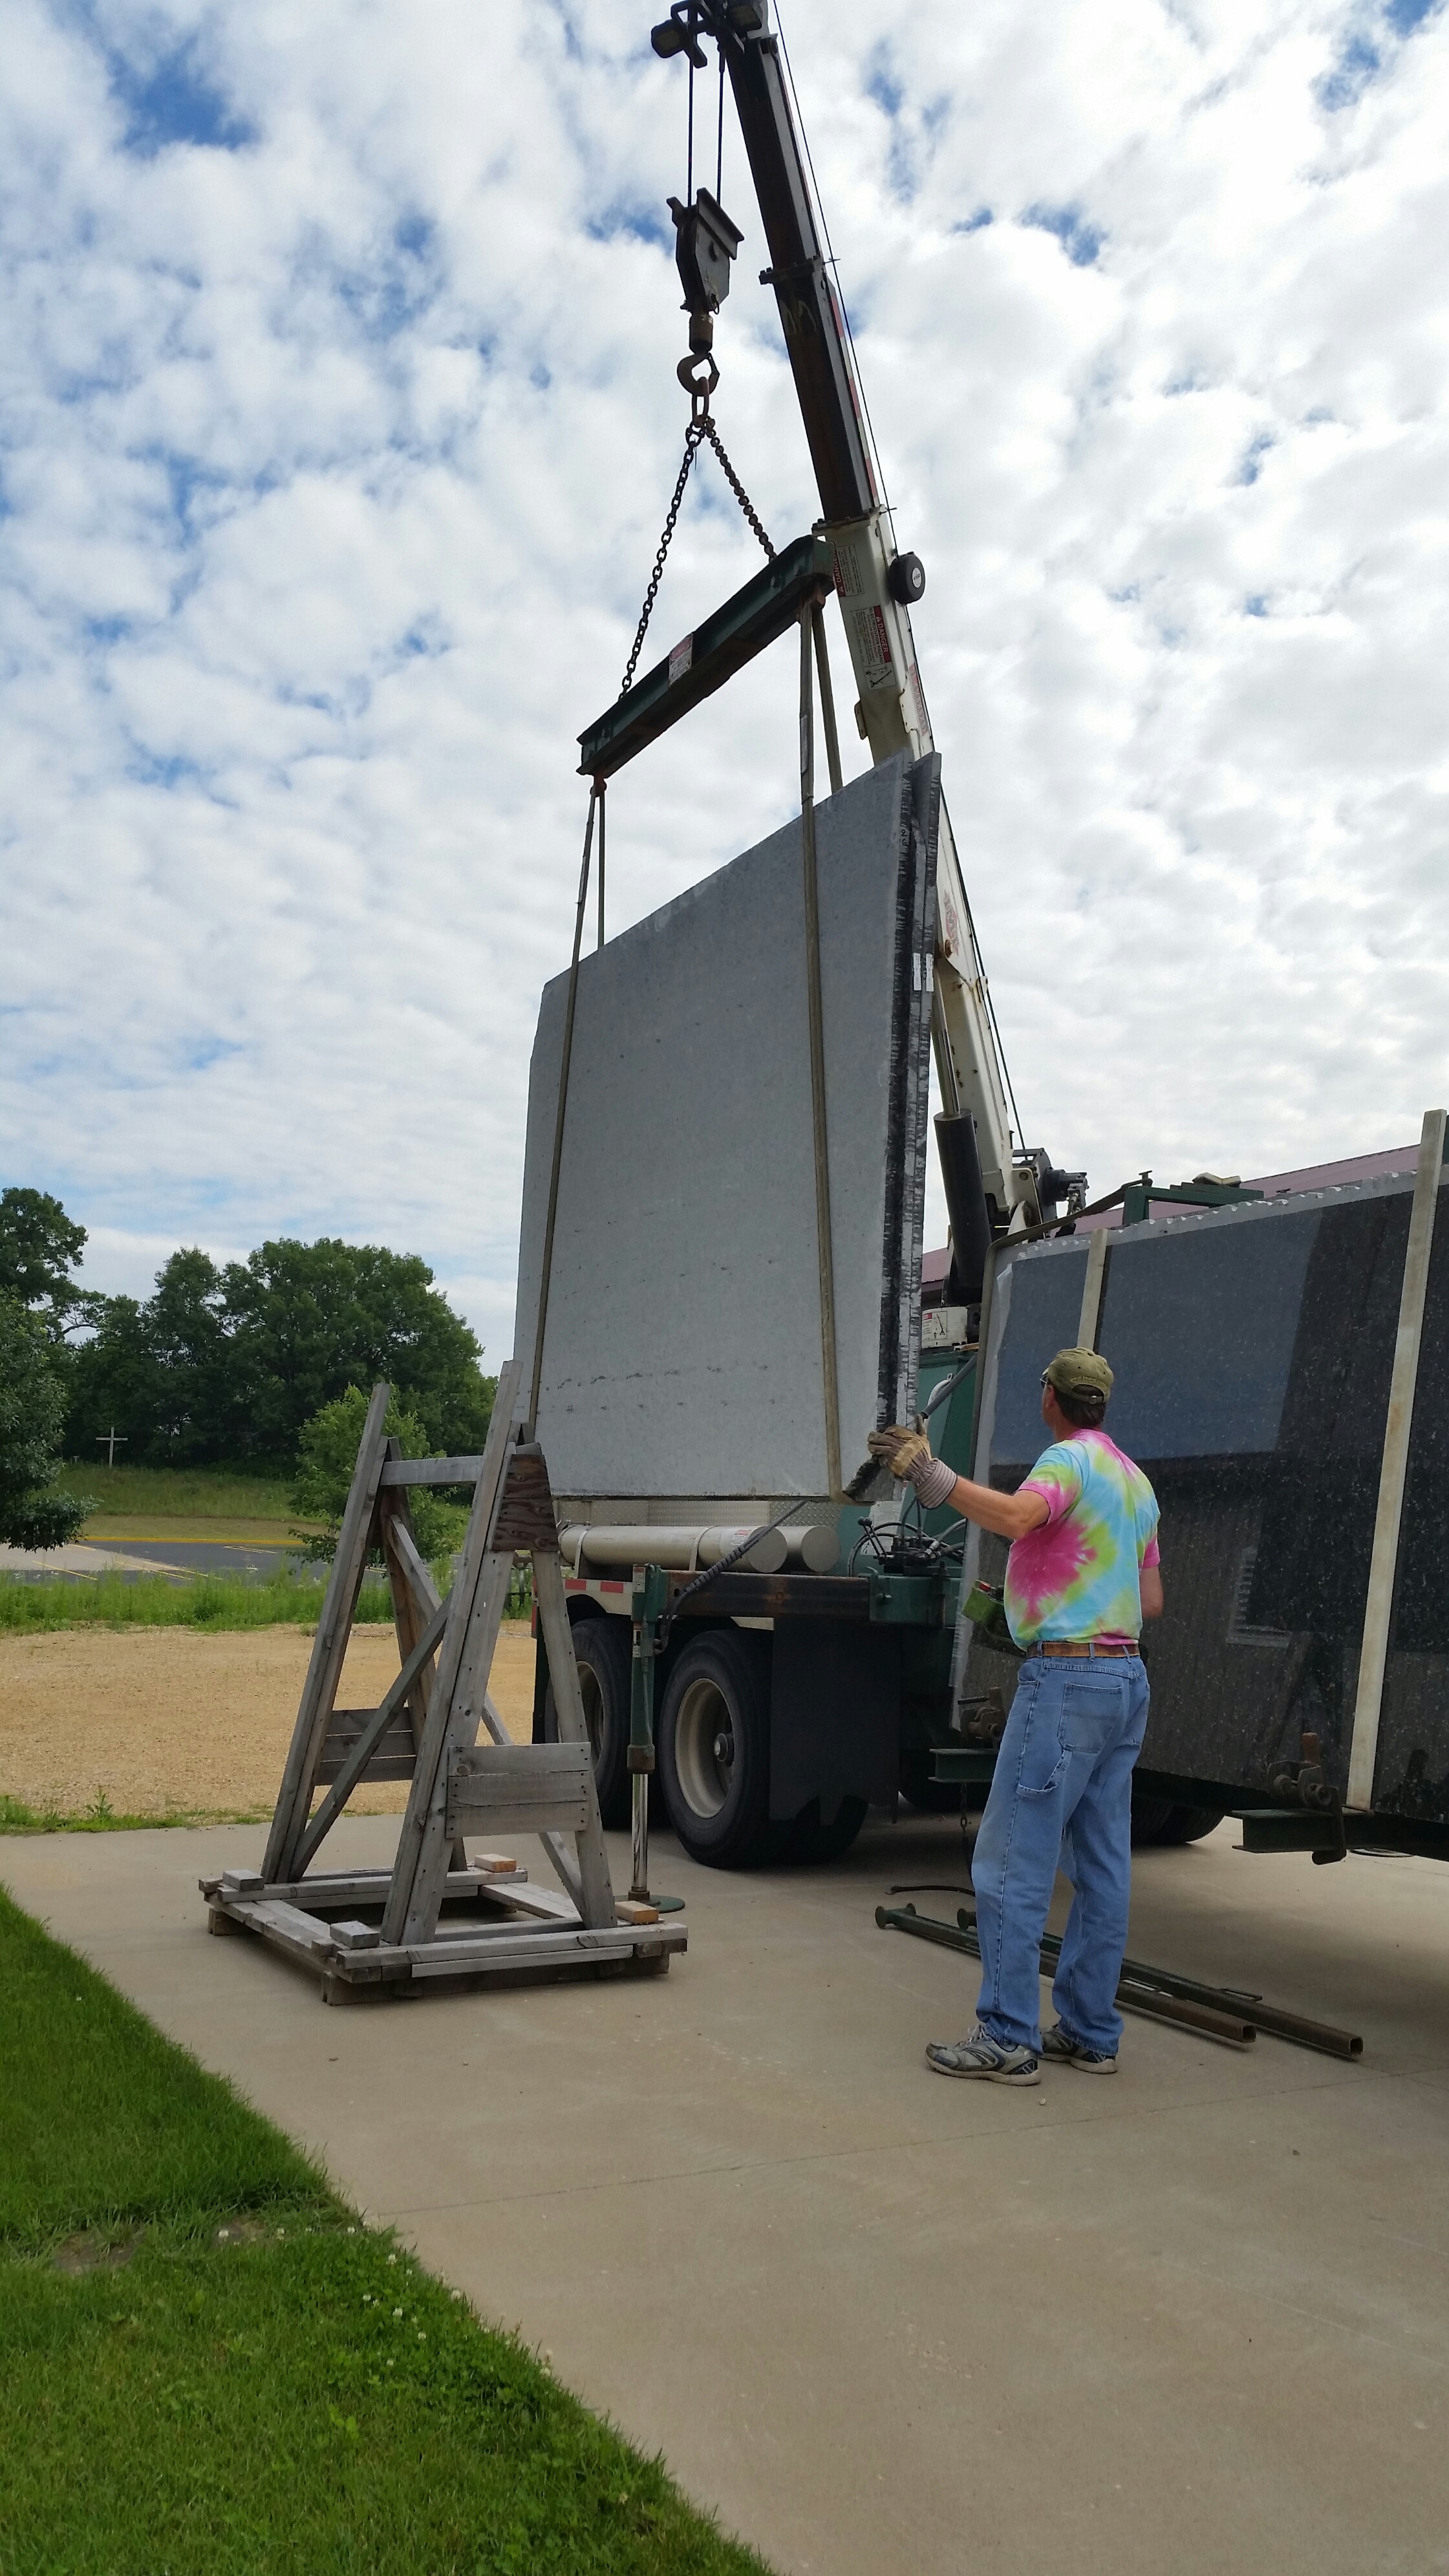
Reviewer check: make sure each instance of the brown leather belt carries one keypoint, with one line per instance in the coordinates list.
(1093, 1646)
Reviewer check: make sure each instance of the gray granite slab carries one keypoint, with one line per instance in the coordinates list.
(682, 1353)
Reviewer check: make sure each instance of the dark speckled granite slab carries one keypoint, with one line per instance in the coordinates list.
(1253, 1351)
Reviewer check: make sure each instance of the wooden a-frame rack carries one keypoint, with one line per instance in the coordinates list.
(434, 1915)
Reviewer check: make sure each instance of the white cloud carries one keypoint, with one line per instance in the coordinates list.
(338, 445)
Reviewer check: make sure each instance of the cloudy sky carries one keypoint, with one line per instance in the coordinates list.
(339, 421)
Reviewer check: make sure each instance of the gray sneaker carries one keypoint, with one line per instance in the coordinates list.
(997, 2061)
(1063, 2044)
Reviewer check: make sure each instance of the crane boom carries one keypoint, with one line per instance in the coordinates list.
(874, 584)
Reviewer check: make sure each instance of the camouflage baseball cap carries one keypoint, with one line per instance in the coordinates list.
(1079, 1372)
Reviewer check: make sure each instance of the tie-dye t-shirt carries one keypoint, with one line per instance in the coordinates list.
(1076, 1575)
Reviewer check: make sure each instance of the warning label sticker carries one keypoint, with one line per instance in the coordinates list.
(873, 637)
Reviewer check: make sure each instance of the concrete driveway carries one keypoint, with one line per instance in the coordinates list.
(1192, 2317)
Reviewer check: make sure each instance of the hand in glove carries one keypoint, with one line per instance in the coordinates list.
(897, 1447)
(908, 1456)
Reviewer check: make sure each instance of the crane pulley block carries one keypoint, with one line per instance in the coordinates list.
(706, 243)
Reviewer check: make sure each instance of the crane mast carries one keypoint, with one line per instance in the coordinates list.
(992, 1184)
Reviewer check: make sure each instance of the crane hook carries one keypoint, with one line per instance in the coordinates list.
(699, 376)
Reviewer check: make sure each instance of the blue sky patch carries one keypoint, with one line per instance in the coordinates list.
(198, 1054)
(385, 299)
(1252, 464)
(186, 476)
(1351, 74)
(174, 101)
(1362, 57)
(1079, 239)
(635, 222)
(1405, 15)
(149, 769)
(883, 84)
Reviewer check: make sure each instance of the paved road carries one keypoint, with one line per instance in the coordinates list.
(204, 1556)
(1191, 2317)
(133, 1557)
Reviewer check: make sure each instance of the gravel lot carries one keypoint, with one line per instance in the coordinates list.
(174, 1718)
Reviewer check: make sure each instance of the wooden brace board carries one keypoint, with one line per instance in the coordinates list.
(433, 1916)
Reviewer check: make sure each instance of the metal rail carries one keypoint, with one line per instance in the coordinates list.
(1212, 2024)
(754, 616)
(1222, 2012)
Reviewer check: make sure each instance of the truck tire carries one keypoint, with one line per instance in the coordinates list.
(714, 1751)
(602, 1651)
(1149, 1815)
(810, 1843)
(1158, 1825)
(1187, 1825)
(931, 1797)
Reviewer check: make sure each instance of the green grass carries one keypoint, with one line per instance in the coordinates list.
(207, 1601)
(104, 2123)
(240, 2375)
(176, 1493)
(150, 1601)
(100, 1817)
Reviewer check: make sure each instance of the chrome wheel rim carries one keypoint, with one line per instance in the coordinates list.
(704, 1747)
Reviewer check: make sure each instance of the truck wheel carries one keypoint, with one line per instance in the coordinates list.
(1157, 1825)
(1187, 1825)
(714, 1751)
(1149, 1815)
(932, 1797)
(602, 1651)
(811, 1842)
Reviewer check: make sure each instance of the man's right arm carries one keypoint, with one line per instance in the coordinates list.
(1009, 1515)
(1149, 1584)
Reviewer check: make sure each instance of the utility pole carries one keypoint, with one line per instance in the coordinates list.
(113, 1440)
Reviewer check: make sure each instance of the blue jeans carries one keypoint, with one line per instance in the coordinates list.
(1061, 1796)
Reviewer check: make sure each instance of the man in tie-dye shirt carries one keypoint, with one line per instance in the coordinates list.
(1077, 1574)
(1082, 1575)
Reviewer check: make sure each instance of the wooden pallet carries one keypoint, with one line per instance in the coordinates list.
(435, 1916)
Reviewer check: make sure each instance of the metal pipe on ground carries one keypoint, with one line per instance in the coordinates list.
(1279, 2025)
(617, 1547)
(1230, 1999)
(1232, 2028)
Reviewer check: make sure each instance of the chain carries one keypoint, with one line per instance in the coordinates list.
(736, 486)
(700, 429)
(691, 449)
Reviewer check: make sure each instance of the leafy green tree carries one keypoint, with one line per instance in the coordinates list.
(326, 1463)
(39, 1247)
(32, 1414)
(115, 1378)
(165, 1373)
(191, 1338)
(230, 1364)
(309, 1320)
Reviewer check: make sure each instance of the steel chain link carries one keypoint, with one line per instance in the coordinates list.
(699, 429)
(736, 486)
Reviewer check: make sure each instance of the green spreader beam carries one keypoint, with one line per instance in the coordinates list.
(1139, 1197)
(701, 663)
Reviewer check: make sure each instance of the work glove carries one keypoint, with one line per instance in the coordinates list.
(908, 1456)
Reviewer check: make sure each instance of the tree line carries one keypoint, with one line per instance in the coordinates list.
(224, 1363)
